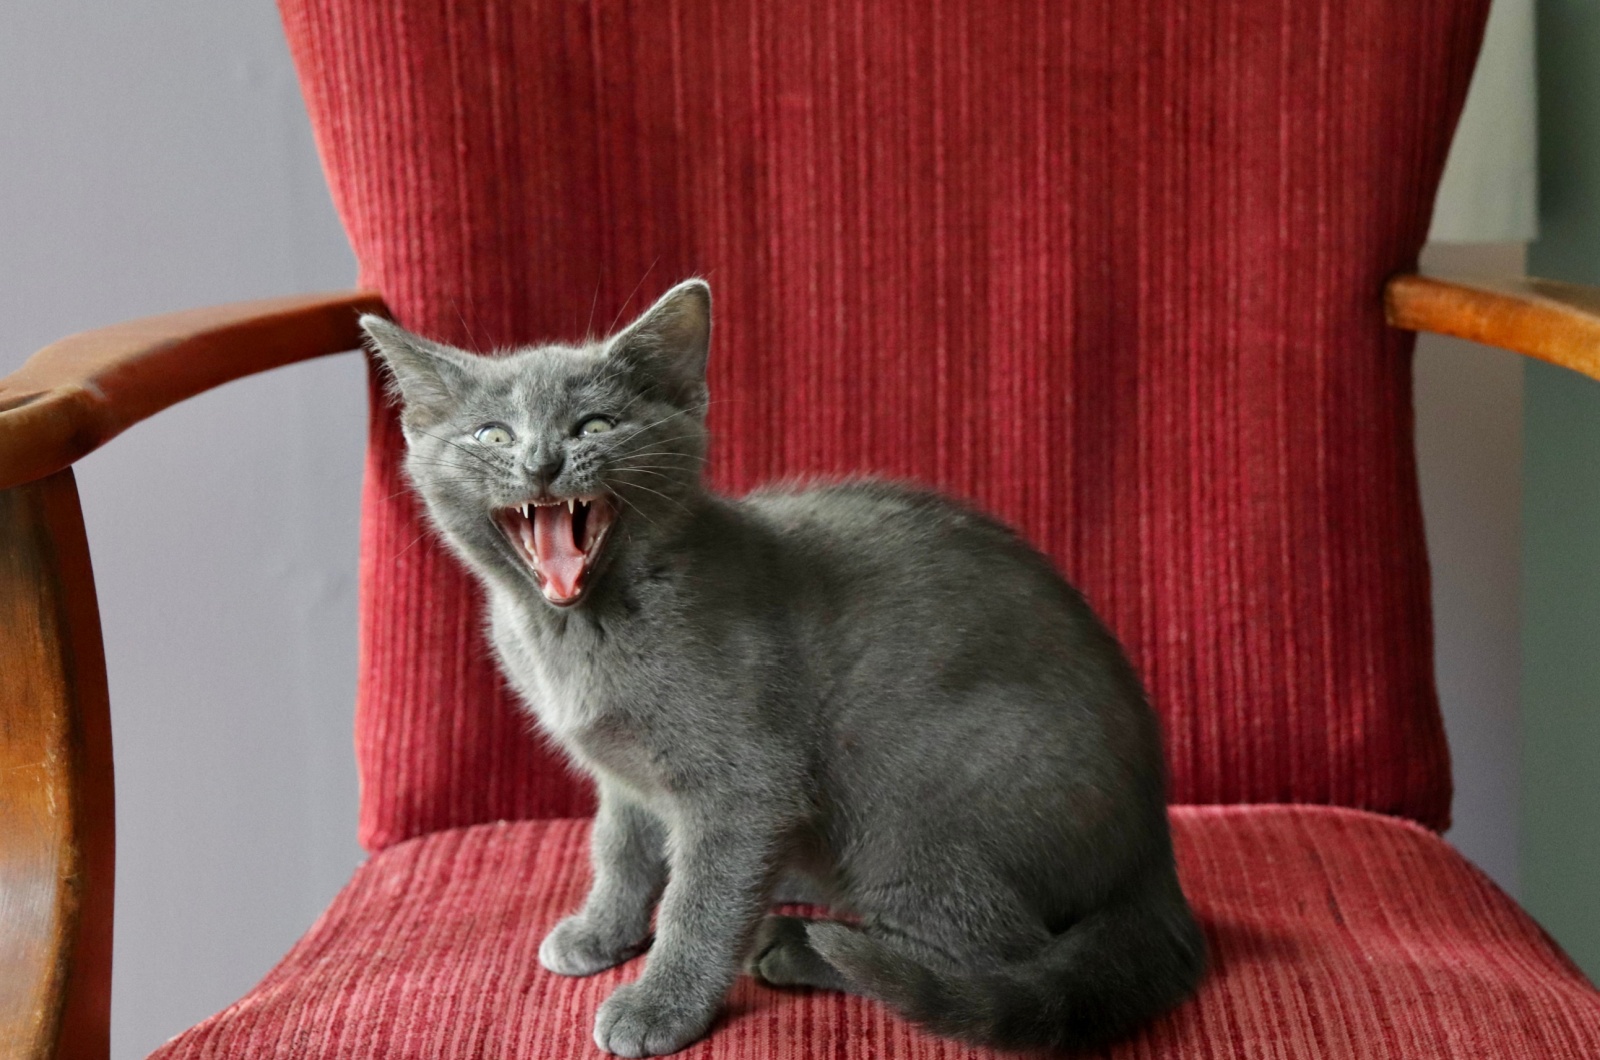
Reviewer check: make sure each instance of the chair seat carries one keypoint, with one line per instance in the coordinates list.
(1334, 933)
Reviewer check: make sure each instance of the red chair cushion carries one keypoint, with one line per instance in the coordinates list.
(1111, 270)
(1334, 934)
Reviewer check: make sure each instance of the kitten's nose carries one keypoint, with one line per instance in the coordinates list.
(544, 468)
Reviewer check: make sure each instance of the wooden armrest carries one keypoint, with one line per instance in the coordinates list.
(1553, 321)
(57, 852)
(57, 833)
(74, 395)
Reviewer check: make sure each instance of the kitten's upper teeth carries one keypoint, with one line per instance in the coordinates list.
(572, 503)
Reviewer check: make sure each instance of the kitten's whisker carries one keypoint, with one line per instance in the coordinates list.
(455, 445)
(632, 507)
(658, 493)
(643, 437)
(673, 415)
(588, 325)
(464, 325)
(667, 453)
(635, 291)
(674, 437)
(631, 402)
(413, 458)
(481, 458)
(641, 440)
(628, 465)
(692, 458)
(646, 471)
(414, 542)
(466, 468)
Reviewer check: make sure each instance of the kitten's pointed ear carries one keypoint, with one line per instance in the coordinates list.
(427, 377)
(668, 345)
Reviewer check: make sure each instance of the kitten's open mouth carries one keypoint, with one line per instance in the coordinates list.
(560, 540)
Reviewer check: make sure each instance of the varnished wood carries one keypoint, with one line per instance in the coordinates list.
(1553, 321)
(57, 849)
(57, 835)
(76, 394)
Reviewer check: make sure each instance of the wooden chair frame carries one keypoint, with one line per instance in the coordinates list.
(57, 830)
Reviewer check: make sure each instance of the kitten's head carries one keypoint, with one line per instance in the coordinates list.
(541, 463)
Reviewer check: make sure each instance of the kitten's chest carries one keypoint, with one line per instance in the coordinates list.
(588, 696)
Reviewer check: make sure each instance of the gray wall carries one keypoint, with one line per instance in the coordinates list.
(1561, 554)
(156, 156)
(1469, 449)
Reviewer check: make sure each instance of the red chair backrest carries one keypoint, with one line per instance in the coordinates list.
(1111, 270)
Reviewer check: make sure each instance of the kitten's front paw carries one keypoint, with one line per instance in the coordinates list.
(640, 1020)
(573, 947)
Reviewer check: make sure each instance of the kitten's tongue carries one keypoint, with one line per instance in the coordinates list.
(560, 558)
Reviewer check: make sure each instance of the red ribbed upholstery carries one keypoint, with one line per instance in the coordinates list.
(1110, 269)
(1334, 934)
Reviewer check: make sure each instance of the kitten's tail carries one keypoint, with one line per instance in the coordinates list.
(1096, 981)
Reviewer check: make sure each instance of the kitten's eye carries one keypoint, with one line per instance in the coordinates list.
(595, 425)
(493, 434)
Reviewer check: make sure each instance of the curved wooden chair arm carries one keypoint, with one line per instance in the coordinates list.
(1553, 321)
(57, 817)
(57, 846)
(74, 395)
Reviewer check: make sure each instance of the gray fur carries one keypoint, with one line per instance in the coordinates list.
(857, 693)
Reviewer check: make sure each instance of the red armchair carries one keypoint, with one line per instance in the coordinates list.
(1114, 272)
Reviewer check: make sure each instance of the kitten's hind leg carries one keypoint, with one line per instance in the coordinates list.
(782, 956)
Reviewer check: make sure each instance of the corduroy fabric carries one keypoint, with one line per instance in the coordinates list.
(1334, 934)
(1110, 270)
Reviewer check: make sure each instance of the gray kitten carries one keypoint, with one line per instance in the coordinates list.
(859, 695)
